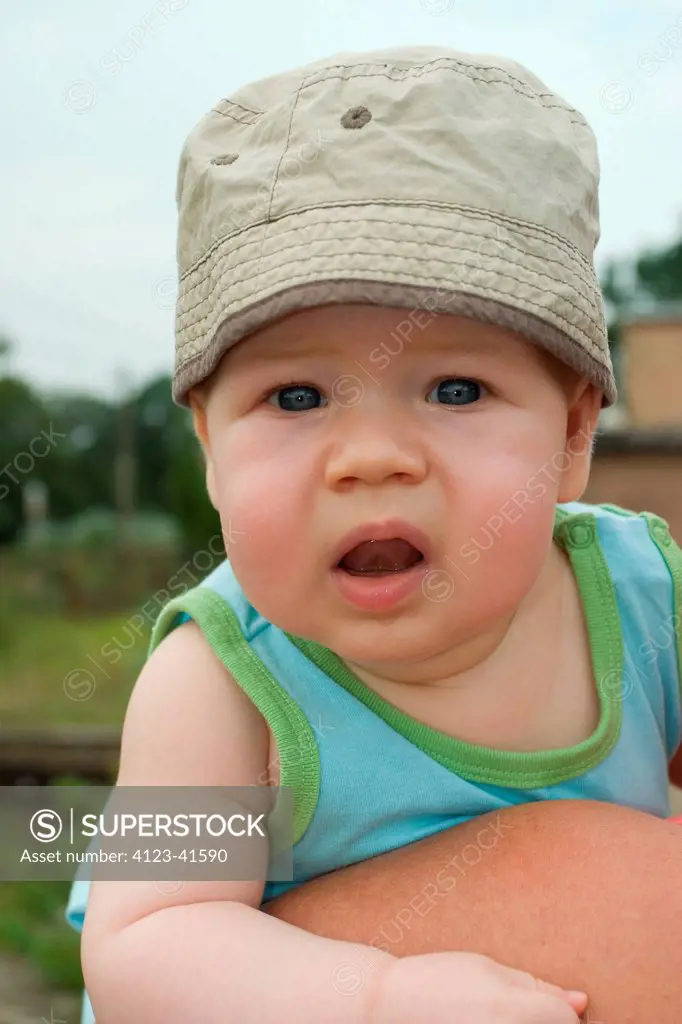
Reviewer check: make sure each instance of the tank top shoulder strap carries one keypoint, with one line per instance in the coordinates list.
(230, 626)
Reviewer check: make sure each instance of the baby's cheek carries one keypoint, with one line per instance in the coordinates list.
(261, 511)
(503, 536)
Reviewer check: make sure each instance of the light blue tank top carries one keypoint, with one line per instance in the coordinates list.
(367, 778)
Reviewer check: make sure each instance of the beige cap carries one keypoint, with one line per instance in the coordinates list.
(409, 177)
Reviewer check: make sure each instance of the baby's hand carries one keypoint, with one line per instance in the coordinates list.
(458, 988)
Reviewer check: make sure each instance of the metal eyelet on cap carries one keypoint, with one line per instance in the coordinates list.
(356, 117)
(227, 158)
(580, 535)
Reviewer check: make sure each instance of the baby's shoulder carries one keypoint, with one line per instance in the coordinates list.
(187, 722)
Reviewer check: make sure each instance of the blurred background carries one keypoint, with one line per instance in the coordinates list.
(102, 498)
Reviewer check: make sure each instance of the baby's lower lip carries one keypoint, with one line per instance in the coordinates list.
(377, 593)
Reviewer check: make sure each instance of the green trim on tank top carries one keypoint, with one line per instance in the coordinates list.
(577, 534)
(659, 531)
(298, 754)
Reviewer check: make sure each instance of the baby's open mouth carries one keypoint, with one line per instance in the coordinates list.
(380, 557)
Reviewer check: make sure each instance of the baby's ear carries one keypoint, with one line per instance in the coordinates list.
(197, 408)
(199, 422)
(581, 424)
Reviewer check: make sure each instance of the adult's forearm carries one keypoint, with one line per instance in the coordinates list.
(580, 893)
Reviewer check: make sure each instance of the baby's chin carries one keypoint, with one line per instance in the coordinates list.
(398, 642)
(424, 626)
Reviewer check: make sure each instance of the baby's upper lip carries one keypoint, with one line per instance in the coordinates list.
(386, 529)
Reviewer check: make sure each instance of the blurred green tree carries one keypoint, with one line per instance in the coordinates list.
(659, 273)
(170, 464)
(70, 442)
(651, 277)
(23, 418)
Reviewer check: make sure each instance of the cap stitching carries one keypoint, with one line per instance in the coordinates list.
(416, 71)
(589, 301)
(239, 120)
(495, 294)
(239, 106)
(421, 68)
(244, 262)
(485, 81)
(183, 326)
(537, 231)
(242, 106)
(426, 277)
(275, 176)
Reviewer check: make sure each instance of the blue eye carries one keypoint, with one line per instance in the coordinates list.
(296, 398)
(458, 391)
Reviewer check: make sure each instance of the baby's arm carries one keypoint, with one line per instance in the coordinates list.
(208, 953)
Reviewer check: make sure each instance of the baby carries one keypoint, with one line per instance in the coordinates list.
(391, 338)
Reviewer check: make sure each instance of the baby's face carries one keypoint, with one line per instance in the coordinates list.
(451, 448)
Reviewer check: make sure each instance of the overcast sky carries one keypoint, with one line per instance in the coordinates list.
(95, 108)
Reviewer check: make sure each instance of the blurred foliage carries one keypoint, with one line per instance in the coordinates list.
(653, 277)
(659, 273)
(72, 443)
(32, 923)
(40, 654)
(78, 595)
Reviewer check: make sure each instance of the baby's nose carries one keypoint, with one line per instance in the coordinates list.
(374, 459)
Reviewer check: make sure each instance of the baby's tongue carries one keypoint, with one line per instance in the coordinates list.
(375, 557)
